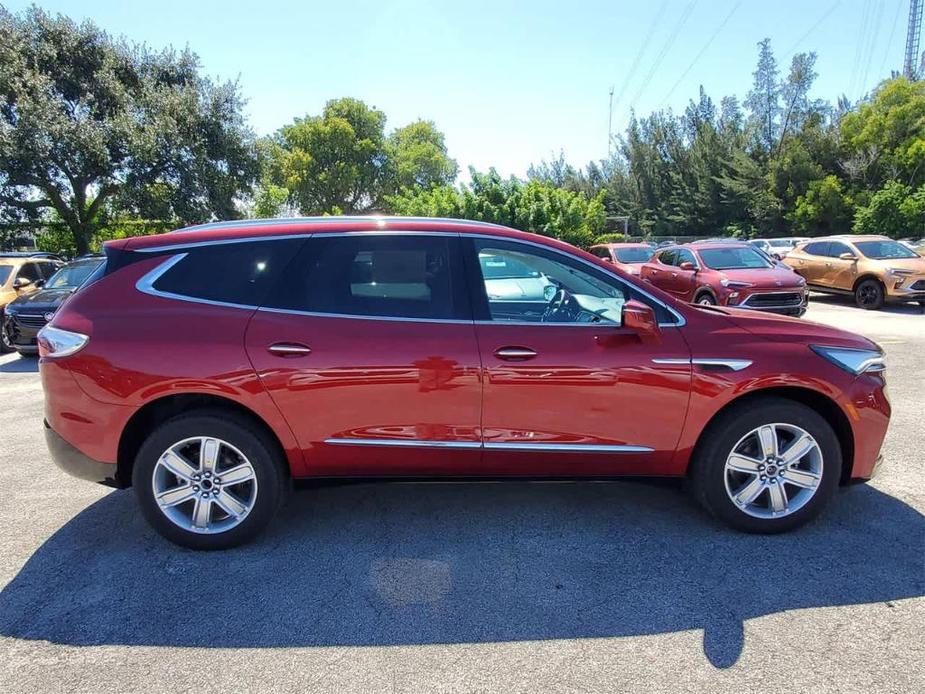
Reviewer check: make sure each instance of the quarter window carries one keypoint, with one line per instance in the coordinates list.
(232, 273)
(668, 258)
(370, 275)
(30, 272)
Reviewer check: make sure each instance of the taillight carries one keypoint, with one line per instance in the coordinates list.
(55, 342)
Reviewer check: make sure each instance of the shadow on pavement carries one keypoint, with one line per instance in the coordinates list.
(903, 309)
(20, 365)
(420, 564)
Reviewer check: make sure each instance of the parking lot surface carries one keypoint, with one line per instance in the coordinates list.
(516, 587)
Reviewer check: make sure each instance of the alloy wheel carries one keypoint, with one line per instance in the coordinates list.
(204, 485)
(773, 470)
(868, 294)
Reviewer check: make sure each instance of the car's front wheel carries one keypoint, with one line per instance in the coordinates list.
(869, 295)
(6, 342)
(768, 467)
(705, 299)
(208, 480)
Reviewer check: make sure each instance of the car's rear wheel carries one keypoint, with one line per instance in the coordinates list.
(869, 295)
(208, 480)
(767, 468)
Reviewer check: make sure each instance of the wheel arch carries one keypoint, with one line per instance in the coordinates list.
(868, 276)
(821, 403)
(161, 409)
(705, 289)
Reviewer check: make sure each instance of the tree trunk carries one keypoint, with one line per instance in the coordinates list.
(82, 236)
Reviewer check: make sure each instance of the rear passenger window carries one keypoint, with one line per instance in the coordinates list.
(816, 248)
(389, 276)
(231, 273)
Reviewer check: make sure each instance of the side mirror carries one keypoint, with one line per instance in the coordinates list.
(21, 282)
(640, 318)
(687, 265)
(847, 256)
(549, 292)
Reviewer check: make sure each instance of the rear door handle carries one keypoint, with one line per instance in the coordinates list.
(289, 349)
(515, 353)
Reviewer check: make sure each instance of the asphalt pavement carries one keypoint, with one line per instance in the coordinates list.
(514, 587)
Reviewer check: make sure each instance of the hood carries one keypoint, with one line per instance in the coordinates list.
(777, 277)
(916, 265)
(43, 299)
(775, 328)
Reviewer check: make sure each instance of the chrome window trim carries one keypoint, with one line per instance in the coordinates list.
(494, 446)
(319, 314)
(145, 283)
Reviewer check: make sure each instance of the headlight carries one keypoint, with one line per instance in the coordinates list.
(854, 361)
(733, 283)
(55, 342)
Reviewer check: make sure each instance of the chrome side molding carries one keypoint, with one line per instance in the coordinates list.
(731, 364)
(495, 446)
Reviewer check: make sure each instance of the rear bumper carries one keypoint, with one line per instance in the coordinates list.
(76, 464)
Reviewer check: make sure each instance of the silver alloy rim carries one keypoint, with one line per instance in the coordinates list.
(204, 485)
(773, 470)
(706, 301)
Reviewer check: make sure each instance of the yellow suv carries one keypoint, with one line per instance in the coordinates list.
(873, 269)
(21, 273)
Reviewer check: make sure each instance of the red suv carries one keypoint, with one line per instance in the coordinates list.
(727, 274)
(208, 368)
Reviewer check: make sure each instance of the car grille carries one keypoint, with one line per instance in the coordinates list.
(773, 299)
(918, 286)
(29, 320)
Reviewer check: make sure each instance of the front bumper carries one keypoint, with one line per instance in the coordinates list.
(75, 463)
(24, 337)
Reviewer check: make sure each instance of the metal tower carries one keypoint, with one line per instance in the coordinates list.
(913, 34)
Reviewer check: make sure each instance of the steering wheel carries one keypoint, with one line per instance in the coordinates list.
(557, 306)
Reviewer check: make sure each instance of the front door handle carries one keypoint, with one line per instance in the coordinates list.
(515, 353)
(289, 349)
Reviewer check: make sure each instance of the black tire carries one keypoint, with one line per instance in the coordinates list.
(261, 451)
(869, 295)
(6, 344)
(705, 299)
(708, 467)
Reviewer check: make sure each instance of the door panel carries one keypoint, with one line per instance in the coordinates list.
(586, 386)
(368, 349)
(573, 392)
(382, 389)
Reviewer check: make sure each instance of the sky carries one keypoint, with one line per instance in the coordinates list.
(509, 83)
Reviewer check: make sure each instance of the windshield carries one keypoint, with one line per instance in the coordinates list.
(633, 255)
(883, 250)
(733, 258)
(5, 271)
(72, 275)
(496, 267)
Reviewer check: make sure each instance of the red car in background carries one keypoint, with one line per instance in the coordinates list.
(726, 274)
(629, 257)
(209, 368)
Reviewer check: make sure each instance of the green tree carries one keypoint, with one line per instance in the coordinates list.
(895, 210)
(332, 163)
(825, 208)
(885, 138)
(91, 125)
(532, 206)
(418, 157)
(763, 101)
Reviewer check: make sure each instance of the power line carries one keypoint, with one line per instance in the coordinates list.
(859, 46)
(809, 31)
(870, 46)
(889, 43)
(685, 15)
(701, 52)
(642, 49)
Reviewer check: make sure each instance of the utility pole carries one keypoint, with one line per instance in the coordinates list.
(913, 34)
(610, 125)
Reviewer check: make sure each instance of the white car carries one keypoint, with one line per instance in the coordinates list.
(779, 248)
